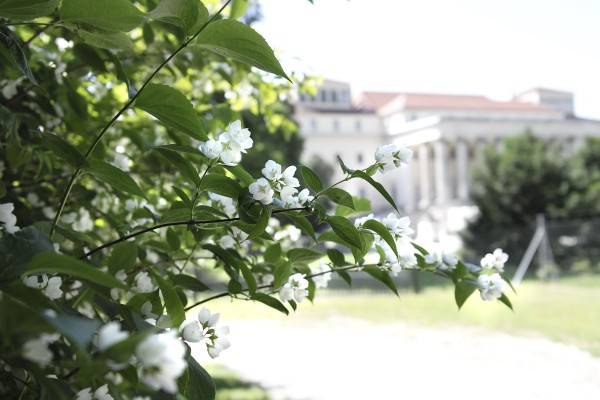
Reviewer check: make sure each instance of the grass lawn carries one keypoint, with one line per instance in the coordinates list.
(566, 311)
(230, 386)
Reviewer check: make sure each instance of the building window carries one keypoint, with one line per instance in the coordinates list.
(324, 95)
(359, 158)
(333, 96)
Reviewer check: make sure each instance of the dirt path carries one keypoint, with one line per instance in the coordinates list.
(344, 359)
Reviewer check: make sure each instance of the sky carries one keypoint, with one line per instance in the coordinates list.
(495, 48)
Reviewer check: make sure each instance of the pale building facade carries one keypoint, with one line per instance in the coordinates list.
(447, 134)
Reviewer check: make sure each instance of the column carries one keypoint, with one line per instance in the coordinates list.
(424, 193)
(462, 170)
(440, 178)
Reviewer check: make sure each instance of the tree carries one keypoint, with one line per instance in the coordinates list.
(123, 189)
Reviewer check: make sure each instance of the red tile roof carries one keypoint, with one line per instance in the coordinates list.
(387, 102)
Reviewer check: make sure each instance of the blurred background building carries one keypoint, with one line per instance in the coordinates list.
(447, 134)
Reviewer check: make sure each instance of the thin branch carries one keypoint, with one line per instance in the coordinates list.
(225, 294)
(39, 32)
(175, 223)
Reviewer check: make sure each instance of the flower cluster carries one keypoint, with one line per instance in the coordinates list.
(495, 260)
(230, 145)
(491, 287)
(7, 219)
(284, 183)
(50, 287)
(100, 394)
(445, 261)
(322, 280)
(294, 289)
(109, 335)
(162, 361)
(205, 329)
(391, 156)
(400, 229)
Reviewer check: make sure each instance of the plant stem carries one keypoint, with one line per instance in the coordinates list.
(175, 223)
(121, 111)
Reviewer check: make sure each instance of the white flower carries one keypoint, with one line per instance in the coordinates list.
(495, 260)
(219, 341)
(52, 290)
(162, 360)
(359, 222)
(191, 331)
(267, 279)
(272, 171)
(238, 138)
(34, 282)
(110, 334)
(102, 393)
(261, 191)
(37, 350)
(491, 286)
(305, 197)
(164, 322)
(391, 156)
(207, 319)
(84, 394)
(397, 226)
(143, 282)
(432, 259)
(286, 193)
(211, 148)
(288, 177)
(294, 288)
(8, 218)
(84, 223)
(321, 281)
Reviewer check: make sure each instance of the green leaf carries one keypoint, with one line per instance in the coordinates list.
(123, 256)
(261, 223)
(303, 224)
(189, 282)
(303, 256)
(361, 206)
(78, 329)
(228, 256)
(462, 291)
(173, 239)
(62, 264)
(345, 276)
(107, 40)
(382, 276)
(336, 257)
(172, 108)
(186, 14)
(178, 148)
(183, 196)
(184, 167)
(339, 196)
(376, 185)
(17, 250)
(382, 231)
(7, 40)
(273, 253)
(238, 9)
(196, 384)
(311, 179)
(220, 184)
(366, 243)
(271, 302)
(230, 38)
(106, 15)
(345, 230)
(504, 299)
(419, 248)
(26, 9)
(122, 76)
(62, 149)
(175, 215)
(345, 169)
(239, 172)
(114, 177)
(248, 277)
(172, 301)
(282, 273)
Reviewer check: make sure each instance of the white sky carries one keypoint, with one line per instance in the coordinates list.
(495, 48)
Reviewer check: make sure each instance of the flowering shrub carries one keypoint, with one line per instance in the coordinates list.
(122, 195)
